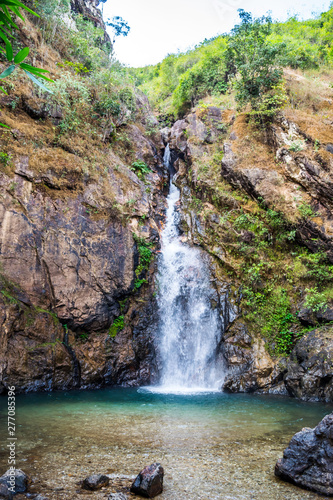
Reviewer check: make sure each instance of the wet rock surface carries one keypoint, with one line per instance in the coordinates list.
(149, 483)
(308, 460)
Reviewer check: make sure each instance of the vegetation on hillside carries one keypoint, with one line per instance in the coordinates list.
(181, 80)
(93, 95)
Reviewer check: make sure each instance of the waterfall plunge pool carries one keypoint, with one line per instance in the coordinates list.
(212, 445)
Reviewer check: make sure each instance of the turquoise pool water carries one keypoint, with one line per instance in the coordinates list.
(212, 446)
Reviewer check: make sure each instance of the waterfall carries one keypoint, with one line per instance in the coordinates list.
(189, 326)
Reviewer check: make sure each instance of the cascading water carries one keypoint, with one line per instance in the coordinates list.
(190, 327)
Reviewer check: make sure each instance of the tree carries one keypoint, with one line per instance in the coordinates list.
(119, 26)
(252, 62)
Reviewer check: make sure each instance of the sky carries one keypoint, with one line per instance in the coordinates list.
(159, 28)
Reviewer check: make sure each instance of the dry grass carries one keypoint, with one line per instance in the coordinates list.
(313, 126)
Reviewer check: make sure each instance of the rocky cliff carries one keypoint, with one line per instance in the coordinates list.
(69, 266)
(253, 199)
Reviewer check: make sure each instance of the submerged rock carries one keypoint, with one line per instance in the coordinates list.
(149, 483)
(308, 460)
(95, 482)
(21, 480)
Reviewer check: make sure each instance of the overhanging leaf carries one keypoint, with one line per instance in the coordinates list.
(8, 71)
(36, 73)
(31, 68)
(20, 56)
(9, 51)
(41, 85)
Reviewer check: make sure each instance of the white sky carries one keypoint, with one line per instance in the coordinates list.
(159, 28)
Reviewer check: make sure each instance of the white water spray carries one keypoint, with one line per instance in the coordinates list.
(190, 327)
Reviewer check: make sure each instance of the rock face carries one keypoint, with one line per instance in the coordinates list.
(16, 480)
(149, 483)
(276, 184)
(308, 460)
(68, 270)
(250, 367)
(309, 372)
(89, 10)
(95, 482)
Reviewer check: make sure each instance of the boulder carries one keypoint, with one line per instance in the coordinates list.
(118, 496)
(5, 494)
(21, 480)
(308, 460)
(309, 374)
(95, 482)
(149, 483)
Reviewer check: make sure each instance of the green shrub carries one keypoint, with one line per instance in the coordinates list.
(306, 210)
(315, 300)
(140, 168)
(145, 257)
(116, 326)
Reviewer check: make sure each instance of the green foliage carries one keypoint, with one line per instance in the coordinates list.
(185, 78)
(270, 309)
(207, 76)
(50, 9)
(5, 158)
(116, 326)
(73, 95)
(87, 45)
(318, 268)
(315, 300)
(145, 257)
(253, 54)
(77, 67)
(9, 297)
(309, 42)
(9, 10)
(140, 168)
(306, 210)
(252, 61)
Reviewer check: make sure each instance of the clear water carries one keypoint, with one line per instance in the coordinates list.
(212, 446)
(190, 327)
